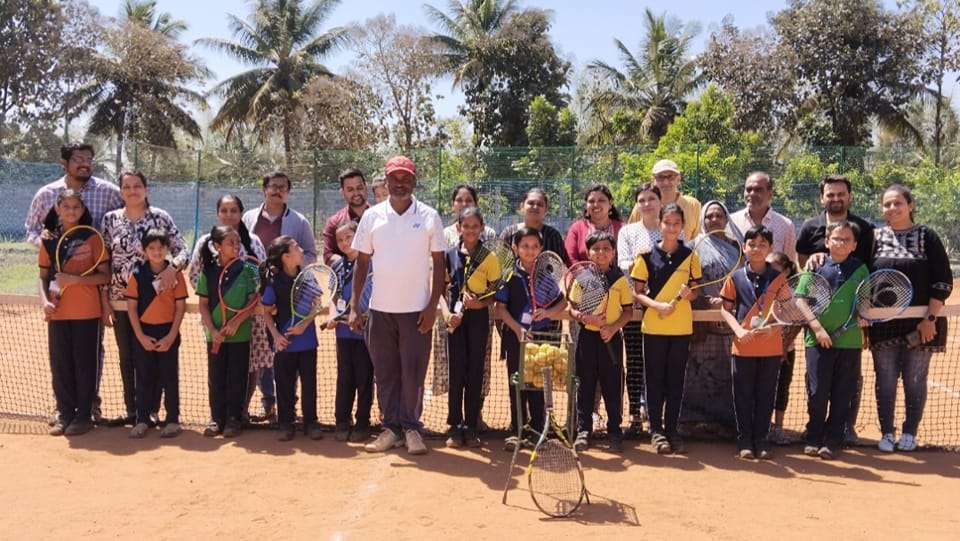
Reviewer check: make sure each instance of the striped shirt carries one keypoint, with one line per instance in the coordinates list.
(123, 240)
(99, 196)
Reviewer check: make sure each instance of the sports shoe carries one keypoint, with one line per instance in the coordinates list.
(139, 431)
(359, 434)
(455, 438)
(78, 427)
(615, 443)
(388, 439)
(764, 454)
(267, 414)
(286, 433)
(850, 436)
(746, 454)
(232, 428)
(57, 428)
(678, 445)
(582, 442)
(661, 444)
(415, 445)
(172, 430)
(341, 433)
(811, 450)
(472, 438)
(887, 443)
(826, 453)
(907, 442)
(212, 429)
(314, 432)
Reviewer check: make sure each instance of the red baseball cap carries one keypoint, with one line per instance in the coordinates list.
(400, 163)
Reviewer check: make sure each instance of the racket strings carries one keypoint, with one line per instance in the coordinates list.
(805, 295)
(548, 271)
(887, 291)
(588, 289)
(555, 481)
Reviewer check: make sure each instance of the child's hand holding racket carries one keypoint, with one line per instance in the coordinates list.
(454, 321)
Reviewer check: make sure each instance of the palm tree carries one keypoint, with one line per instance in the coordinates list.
(143, 12)
(467, 32)
(658, 79)
(281, 39)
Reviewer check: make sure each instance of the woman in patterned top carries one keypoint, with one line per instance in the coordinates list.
(902, 348)
(123, 230)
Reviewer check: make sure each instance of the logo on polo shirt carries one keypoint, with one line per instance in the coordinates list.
(417, 225)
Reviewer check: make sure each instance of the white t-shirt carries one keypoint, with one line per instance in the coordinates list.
(400, 246)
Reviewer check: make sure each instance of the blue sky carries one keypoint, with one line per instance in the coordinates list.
(583, 30)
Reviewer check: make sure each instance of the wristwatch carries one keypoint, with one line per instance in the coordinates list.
(931, 318)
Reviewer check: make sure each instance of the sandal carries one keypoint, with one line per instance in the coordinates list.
(661, 444)
(139, 431)
(172, 430)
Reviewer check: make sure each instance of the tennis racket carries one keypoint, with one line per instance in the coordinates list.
(238, 291)
(363, 307)
(881, 296)
(545, 281)
(507, 261)
(554, 474)
(588, 291)
(721, 272)
(802, 297)
(313, 291)
(80, 250)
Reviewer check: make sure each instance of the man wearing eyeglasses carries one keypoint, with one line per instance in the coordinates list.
(268, 221)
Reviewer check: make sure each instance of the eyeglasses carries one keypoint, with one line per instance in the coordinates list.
(278, 188)
(80, 159)
(840, 241)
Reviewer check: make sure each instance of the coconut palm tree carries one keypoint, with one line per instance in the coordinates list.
(657, 80)
(143, 12)
(281, 39)
(466, 33)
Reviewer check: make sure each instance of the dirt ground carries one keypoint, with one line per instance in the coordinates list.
(106, 486)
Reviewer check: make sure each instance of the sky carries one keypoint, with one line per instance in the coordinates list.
(583, 30)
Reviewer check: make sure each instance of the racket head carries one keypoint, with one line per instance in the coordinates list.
(546, 279)
(507, 261)
(80, 250)
(721, 267)
(586, 287)
(555, 479)
(884, 295)
(803, 295)
(239, 272)
(314, 289)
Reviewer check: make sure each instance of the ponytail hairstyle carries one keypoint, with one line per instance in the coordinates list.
(217, 235)
(242, 228)
(273, 264)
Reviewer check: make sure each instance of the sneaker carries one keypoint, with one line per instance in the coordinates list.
(415, 445)
(746, 454)
(615, 443)
(472, 438)
(267, 414)
(887, 443)
(359, 434)
(154, 420)
(172, 430)
(232, 428)
(678, 445)
(850, 436)
(212, 429)
(582, 442)
(341, 433)
(825, 453)
(78, 427)
(811, 450)
(96, 415)
(286, 433)
(456, 438)
(764, 453)
(139, 431)
(907, 442)
(661, 444)
(388, 439)
(57, 428)
(512, 443)
(314, 432)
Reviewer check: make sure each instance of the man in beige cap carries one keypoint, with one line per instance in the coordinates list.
(666, 176)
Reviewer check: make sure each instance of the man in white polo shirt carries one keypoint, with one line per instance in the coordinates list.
(403, 239)
(757, 194)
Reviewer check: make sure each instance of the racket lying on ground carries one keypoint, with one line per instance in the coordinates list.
(80, 250)
(801, 297)
(881, 296)
(722, 272)
(313, 291)
(588, 291)
(554, 474)
(238, 291)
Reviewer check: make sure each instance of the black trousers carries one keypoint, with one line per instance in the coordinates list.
(74, 352)
(665, 367)
(785, 379)
(467, 352)
(227, 380)
(594, 364)
(123, 332)
(633, 343)
(754, 392)
(531, 406)
(832, 378)
(288, 366)
(157, 370)
(354, 379)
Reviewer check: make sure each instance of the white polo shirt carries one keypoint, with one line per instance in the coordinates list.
(400, 246)
(784, 232)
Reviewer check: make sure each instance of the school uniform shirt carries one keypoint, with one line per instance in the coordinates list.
(277, 293)
(813, 235)
(663, 274)
(77, 255)
(753, 295)
(343, 267)
(123, 238)
(484, 272)
(619, 295)
(153, 307)
(240, 286)
(401, 248)
(516, 296)
(844, 278)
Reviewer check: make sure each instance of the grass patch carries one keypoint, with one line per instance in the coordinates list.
(18, 270)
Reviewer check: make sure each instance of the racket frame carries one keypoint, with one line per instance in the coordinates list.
(714, 234)
(320, 306)
(58, 265)
(869, 312)
(249, 307)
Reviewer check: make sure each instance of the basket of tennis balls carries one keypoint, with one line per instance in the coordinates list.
(542, 350)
